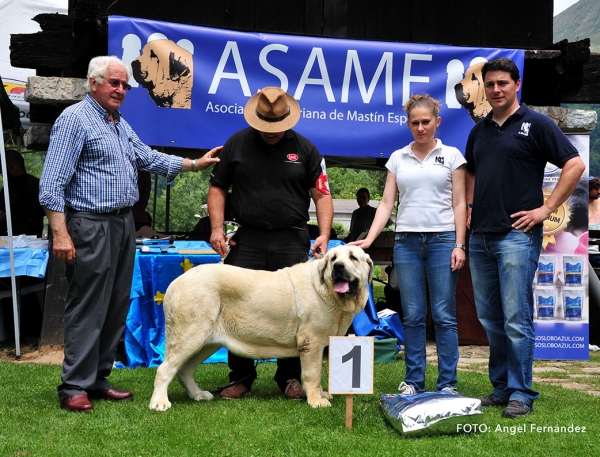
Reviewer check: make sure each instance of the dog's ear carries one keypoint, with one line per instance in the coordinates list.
(177, 68)
(323, 267)
(470, 93)
(371, 268)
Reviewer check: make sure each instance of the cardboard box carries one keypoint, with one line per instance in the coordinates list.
(382, 249)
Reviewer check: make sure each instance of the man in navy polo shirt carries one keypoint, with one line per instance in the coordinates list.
(273, 173)
(506, 155)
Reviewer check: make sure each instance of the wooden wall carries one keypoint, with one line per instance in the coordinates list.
(512, 23)
(67, 43)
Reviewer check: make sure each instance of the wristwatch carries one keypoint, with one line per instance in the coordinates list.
(469, 206)
(462, 246)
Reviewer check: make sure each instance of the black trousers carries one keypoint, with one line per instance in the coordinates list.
(268, 250)
(97, 298)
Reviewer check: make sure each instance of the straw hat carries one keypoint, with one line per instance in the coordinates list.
(272, 110)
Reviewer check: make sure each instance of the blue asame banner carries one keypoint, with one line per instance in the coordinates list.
(190, 85)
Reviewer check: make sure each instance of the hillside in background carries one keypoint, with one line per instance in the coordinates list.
(582, 20)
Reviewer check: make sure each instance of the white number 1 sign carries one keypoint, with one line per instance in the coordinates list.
(351, 364)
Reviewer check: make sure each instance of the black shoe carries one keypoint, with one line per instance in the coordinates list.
(492, 400)
(516, 409)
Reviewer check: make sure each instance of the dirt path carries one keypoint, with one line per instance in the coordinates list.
(30, 353)
(566, 373)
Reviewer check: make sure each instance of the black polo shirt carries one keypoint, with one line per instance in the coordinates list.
(270, 183)
(509, 162)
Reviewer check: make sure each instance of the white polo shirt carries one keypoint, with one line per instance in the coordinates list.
(425, 188)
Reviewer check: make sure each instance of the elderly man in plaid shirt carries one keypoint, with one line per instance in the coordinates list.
(88, 186)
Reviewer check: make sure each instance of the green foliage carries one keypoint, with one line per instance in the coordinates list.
(34, 162)
(339, 228)
(190, 190)
(188, 193)
(344, 182)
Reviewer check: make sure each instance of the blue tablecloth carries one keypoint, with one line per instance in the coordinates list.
(154, 271)
(28, 262)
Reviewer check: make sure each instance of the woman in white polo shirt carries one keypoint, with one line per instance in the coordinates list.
(429, 179)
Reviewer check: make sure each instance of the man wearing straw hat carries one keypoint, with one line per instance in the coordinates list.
(273, 172)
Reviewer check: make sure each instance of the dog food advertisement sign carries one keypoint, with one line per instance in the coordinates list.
(561, 283)
(190, 85)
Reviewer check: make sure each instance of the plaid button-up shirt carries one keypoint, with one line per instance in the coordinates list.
(92, 163)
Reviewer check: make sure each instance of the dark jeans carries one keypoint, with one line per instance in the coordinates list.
(270, 251)
(503, 267)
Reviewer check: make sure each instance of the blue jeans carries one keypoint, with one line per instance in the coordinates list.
(421, 259)
(502, 268)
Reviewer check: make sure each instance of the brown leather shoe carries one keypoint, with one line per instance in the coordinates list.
(112, 394)
(77, 403)
(234, 391)
(294, 390)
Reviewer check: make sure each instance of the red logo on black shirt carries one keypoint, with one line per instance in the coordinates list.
(292, 157)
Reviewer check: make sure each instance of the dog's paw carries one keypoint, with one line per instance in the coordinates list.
(326, 395)
(202, 395)
(159, 405)
(319, 402)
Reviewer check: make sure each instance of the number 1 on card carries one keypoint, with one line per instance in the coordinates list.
(351, 365)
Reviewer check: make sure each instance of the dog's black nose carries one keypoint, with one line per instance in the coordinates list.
(338, 267)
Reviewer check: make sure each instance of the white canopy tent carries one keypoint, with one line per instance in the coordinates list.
(13, 283)
(16, 17)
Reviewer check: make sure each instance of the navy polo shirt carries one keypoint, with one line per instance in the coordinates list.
(270, 183)
(508, 162)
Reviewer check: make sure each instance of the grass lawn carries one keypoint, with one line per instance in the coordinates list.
(266, 424)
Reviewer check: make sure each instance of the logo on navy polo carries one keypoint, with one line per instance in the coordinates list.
(292, 157)
(525, 126)
(439, 160)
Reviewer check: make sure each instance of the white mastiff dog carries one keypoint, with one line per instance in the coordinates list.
(259, 314)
